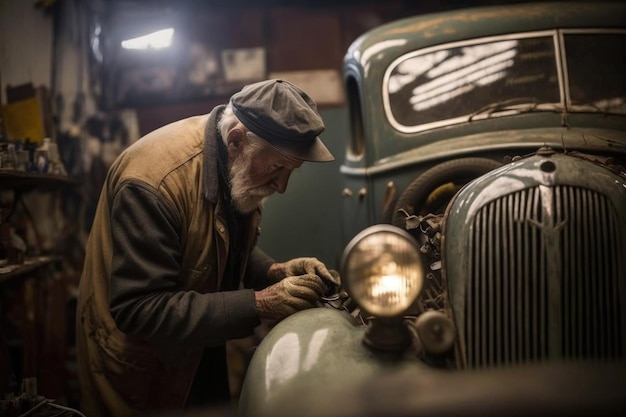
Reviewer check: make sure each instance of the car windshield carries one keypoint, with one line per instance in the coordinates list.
(437, 87)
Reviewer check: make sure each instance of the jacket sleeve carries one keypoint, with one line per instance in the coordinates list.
(259, 263)
(146, 299)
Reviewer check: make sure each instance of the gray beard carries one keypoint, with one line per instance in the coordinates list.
(244, 197)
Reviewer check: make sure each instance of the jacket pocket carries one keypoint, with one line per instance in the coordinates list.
(123, 368)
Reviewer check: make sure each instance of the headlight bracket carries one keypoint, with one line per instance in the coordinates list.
(387, 334)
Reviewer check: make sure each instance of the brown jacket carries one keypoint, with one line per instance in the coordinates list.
(149, 296)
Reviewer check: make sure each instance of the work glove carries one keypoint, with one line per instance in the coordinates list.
(288, 296)
(300, 266)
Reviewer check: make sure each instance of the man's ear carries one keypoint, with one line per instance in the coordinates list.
(235, 142)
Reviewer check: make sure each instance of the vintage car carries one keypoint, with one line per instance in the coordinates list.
(485, 187)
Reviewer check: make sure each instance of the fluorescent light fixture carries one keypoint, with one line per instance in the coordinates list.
(156, 40)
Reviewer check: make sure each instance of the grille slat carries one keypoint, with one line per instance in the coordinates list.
(544, 279)
(508, 205)
(514, 279)
(495, 289)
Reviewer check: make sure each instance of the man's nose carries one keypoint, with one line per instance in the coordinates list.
(279, 184)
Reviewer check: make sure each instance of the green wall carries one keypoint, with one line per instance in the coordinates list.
(305, 220)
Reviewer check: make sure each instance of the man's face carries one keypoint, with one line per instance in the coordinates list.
(256, 173)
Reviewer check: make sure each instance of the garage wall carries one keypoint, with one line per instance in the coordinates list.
(50, 43)
(25, 45)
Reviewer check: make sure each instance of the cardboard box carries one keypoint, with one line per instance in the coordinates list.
(24, 120)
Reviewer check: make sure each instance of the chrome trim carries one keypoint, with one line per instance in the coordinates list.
(525, 300)
(563, 70)
(441, 123)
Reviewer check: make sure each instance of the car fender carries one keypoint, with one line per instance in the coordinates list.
(317, 350)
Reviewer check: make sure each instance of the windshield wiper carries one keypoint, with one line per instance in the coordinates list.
(603, 106)
(518, 105)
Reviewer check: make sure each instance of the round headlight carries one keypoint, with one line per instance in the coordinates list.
(382, 270)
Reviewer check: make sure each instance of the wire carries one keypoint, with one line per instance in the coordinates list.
(39, 405)
(51, 404)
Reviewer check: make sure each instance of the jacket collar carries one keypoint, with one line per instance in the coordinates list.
(211, 187)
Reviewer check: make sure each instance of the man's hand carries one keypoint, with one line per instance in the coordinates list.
(291, 294)
(300, 266)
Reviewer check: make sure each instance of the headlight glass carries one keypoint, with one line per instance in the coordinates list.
(382, 270)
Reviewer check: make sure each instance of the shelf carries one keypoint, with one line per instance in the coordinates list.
(24, 180)
(10, 272)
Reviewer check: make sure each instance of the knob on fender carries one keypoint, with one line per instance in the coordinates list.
(436, 332)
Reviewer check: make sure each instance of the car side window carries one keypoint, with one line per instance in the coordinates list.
(596, 68)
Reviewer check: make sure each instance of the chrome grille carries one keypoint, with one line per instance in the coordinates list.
(544, 278)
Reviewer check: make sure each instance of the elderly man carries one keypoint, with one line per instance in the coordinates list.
(172, 270)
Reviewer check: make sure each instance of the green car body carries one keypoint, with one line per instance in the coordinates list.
(495, 138)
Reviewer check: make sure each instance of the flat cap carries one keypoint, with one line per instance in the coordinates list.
(283, 115)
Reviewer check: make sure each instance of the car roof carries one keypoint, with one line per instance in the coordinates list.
(390, 40)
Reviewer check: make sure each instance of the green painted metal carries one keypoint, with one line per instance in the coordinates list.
(318, 350)
(391, 159)
(371, 54)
